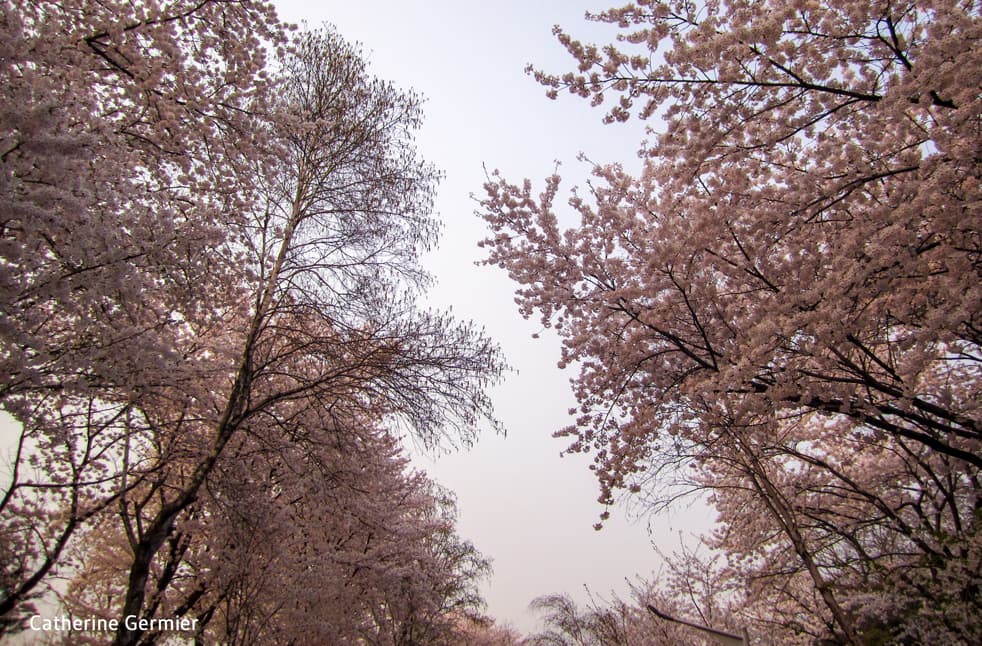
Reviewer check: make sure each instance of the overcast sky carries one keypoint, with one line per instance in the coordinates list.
(522, 505)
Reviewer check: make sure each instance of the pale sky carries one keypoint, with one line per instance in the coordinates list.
(521, 504)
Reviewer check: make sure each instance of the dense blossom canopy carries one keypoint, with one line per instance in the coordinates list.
(783, 307)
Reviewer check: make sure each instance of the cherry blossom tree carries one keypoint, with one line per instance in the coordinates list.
(119, 182)
(329, 320)
(782, 308)
(488, 633)
(199, 248)
(691, 586)
(330, 536)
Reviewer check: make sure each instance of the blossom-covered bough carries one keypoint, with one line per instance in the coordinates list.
(783, 307)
